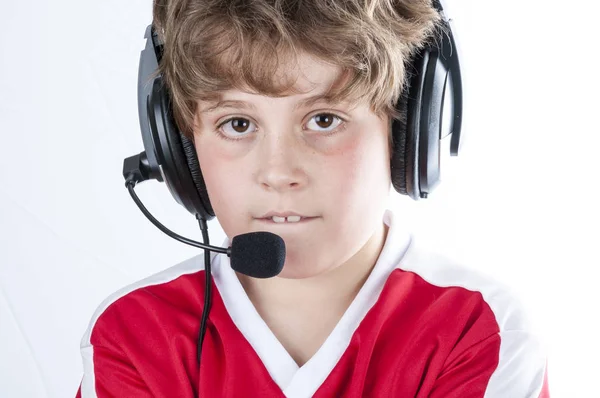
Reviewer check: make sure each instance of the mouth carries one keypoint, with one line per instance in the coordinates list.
(290, 220)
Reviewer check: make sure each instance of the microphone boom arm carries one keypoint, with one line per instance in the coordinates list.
(130, 182)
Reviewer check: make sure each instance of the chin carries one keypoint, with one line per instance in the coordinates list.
(289, 273)
(299, 271)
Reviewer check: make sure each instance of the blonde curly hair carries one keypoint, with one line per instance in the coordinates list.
(216, 45)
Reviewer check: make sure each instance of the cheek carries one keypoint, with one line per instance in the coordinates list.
(222, 179)
(358, 162)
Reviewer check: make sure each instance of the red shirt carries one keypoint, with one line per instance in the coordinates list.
(421, 326)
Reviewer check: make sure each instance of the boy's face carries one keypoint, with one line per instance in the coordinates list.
(326, 161)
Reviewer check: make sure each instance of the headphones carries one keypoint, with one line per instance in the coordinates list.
(431, 101)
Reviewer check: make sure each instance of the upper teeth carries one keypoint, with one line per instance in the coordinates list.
(288, 219)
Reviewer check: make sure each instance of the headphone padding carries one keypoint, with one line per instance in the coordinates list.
(192, 160)
(405, 159)
(398, 160)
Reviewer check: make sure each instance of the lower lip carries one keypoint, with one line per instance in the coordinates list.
(302, 221)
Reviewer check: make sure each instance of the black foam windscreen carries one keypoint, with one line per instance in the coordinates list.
(258, 254)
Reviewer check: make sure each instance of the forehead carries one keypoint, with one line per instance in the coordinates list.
(311, 80)
(309, 74)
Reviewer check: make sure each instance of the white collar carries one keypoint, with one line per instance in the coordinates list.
(304, 381)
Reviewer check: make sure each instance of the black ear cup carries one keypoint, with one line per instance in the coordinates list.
(176, 155)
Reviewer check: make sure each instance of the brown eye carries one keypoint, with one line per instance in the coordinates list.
(324, 121)
(235, 127)
(240, 125)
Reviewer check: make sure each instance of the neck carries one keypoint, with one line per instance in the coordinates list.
(338, 286)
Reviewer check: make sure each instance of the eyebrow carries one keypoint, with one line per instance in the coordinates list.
(325, 97)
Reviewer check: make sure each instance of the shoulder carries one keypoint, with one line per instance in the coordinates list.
(482, 321)
(131, 302)
(143, 336)
(447, 274)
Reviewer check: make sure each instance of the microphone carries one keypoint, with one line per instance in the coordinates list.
(256, 254)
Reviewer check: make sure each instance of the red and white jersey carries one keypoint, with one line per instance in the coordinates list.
(421, 326)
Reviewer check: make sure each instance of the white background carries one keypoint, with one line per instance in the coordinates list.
(520, 203)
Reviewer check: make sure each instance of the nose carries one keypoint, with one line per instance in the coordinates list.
(280, 162)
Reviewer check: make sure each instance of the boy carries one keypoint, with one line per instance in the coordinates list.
(289, 105)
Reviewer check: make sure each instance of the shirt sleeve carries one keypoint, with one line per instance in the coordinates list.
(518, 369)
